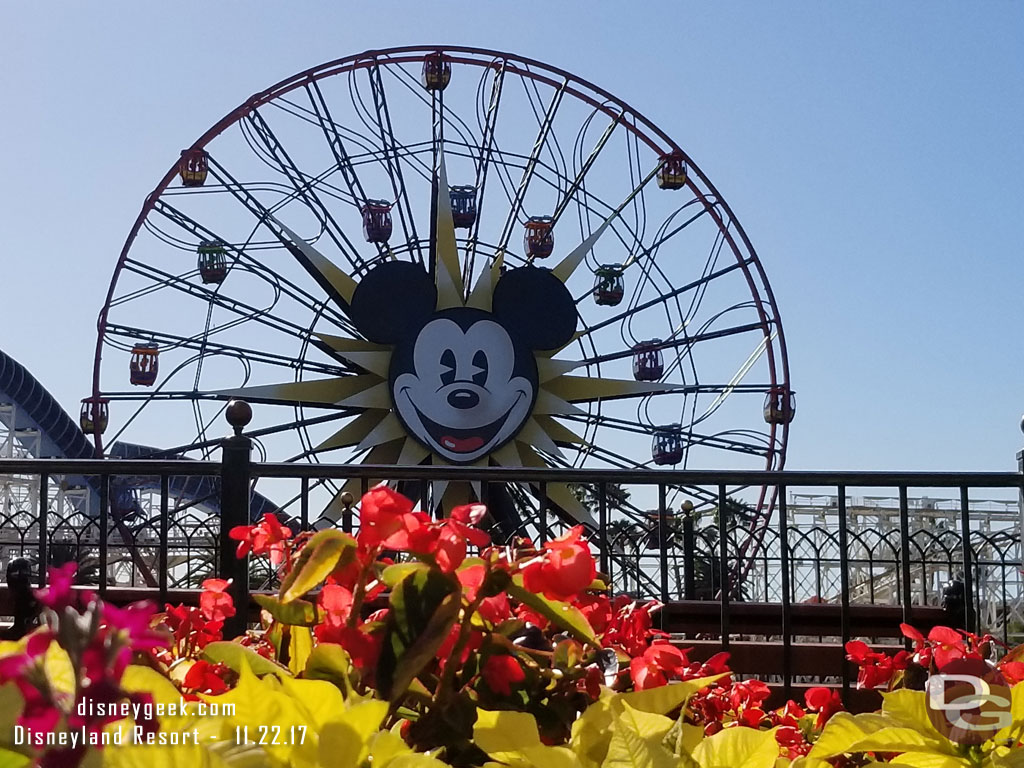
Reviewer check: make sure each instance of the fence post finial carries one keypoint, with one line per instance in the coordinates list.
(235, 482)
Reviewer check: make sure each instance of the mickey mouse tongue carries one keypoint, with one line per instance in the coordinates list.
(462, 444)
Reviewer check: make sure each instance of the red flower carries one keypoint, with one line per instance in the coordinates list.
(267, 536)
(947, 645)
(214, 602)
(387, 520)
(494, 609)
(59, 593)
(566, 569)
(824, 701)
(501, 672)
(204, 677)
(449, 548)
(748, 693)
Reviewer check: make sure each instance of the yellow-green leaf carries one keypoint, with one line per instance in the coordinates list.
(738, 747)
(628, 749)
(317, 559)
(930, 760)
(875, 733)
(60, 672)
(300, 613)
(645, 724)
(9, 759)
(664, 698)
(345, 741)
(233, 654)
(497, 732)
(330, 662)
(415, 761)
(11, 704)
(563, 615)
(300, 646)
(321, 700)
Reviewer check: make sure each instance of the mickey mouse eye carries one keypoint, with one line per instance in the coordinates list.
(448, 361)
(480, 362)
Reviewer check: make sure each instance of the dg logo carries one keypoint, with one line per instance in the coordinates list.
(968, 701)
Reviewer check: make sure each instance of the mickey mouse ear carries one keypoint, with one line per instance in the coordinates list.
(535, 307)
(392, 302)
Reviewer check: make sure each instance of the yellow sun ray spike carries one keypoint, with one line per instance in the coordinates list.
(568, 265)
(378, 396)
(353, 432)
(532, 434)
(559, 493)
(412, 453)
(449, 274)
(558, 431)
(338, 280)
(483, 291)
(548, 369)
(374, 361)
(321, 391)
(389, 428)
(550, 404)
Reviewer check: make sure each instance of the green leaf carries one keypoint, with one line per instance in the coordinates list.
(422, 610)
(560, 614)
(738, 748)
(297, 613)
(232, 654)
(329, 662)
(11, 705)
(317, 559)
(644, 724)
(345, 741)
(393, 575)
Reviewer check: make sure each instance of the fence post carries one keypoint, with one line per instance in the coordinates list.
(690, 552)
(1020, 468)
(234, 510)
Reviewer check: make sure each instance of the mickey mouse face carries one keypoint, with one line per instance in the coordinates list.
(463, 381)
(466, 389)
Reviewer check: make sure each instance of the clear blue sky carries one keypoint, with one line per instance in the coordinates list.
(873, 152)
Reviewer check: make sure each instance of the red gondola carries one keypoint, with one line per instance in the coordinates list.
(539, 239)
(376, 221)
(648, 364)
(672, 174)
(95, 415)
(212, 261)
(144, 364)
(667, 447)
(609, 287)
(437, 72)
(779, 406)
(463, 200)
(193, 167)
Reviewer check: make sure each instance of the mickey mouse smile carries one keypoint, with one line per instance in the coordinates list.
(461, 441)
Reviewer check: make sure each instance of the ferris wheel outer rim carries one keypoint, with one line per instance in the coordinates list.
(409, 54)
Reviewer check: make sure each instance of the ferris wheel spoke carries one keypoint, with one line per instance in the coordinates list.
(721, 442)
(577, 182)
(206, 346)
(483, 162)
(337, 146)
(277, 281)
(305, 189)
(392, 157)
(263, 214)
(243, 311)
(667, 295)
(683, 342)
(531, 165)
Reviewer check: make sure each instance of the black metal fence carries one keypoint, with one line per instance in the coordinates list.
(674, 536)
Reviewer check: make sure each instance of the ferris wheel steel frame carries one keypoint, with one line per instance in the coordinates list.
(708, 202)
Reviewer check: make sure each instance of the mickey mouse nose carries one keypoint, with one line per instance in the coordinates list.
(463, 399)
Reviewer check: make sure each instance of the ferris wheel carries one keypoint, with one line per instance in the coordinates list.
(444, 256)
